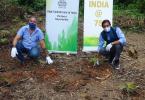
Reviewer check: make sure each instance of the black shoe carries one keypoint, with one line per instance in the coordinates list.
(115, 64)
(110, 60)
(117, 67)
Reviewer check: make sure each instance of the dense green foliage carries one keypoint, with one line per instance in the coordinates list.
(118, 4)
(11, 9)
(31, 4)
(130, 5)
(36, 5)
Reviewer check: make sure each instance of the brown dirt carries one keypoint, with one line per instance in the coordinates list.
(73, 77)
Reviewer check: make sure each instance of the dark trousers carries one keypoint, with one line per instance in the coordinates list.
(114, 53)
(33, 53)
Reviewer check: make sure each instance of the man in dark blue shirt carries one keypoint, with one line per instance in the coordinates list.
(115, 40)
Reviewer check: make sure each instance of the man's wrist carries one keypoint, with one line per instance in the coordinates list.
(14, 46)
(112, 43)
(45, 51)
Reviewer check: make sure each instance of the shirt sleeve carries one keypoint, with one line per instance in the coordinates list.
(20, 31)
(121, 36)
(101, 42)
(41, 35)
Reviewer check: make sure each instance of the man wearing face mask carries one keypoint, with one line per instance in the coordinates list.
(26, 41)
(115, 40)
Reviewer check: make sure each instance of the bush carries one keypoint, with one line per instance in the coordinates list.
(141, 6)
(9, 11)
(32, 4)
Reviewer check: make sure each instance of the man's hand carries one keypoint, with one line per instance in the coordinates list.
(108, 47)
(14, 52)
(49, 60)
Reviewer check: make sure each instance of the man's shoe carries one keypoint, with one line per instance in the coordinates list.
(110, 60)
(117, 67)
(115, 64)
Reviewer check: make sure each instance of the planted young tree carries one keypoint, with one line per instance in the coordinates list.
(129, 88)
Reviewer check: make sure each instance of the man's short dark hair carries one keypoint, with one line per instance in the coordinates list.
(106, 21)
(33, 17)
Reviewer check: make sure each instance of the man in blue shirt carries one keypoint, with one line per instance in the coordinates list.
(26, 41)
(115, 40)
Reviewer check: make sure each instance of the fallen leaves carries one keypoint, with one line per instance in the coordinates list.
(10, 78)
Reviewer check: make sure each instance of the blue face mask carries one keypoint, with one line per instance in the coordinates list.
(32, 26)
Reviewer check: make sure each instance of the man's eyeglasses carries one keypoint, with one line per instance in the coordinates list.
(106, 26)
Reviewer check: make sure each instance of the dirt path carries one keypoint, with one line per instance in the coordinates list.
(72, 77)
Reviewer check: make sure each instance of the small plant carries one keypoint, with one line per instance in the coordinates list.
(4, 41)
(129, 88)
(95, 61)
(3, 81)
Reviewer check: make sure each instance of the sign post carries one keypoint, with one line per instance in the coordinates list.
(95, 11)
(62, 25)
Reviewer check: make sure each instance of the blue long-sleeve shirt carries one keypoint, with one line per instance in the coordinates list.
(120, 35)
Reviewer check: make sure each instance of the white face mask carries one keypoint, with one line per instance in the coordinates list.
(107, 29)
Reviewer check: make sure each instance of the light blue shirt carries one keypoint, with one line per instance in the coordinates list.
(30, 41)
(120, 35)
